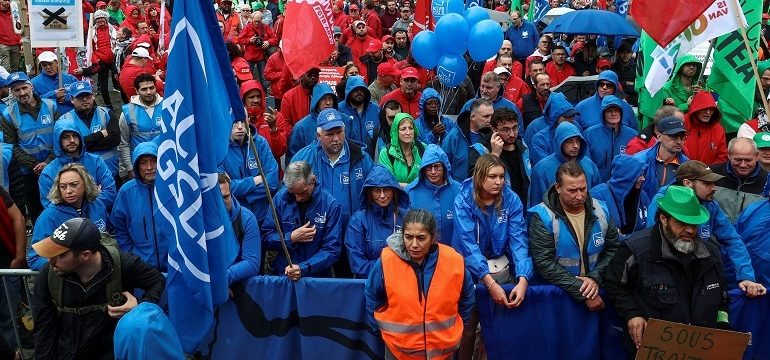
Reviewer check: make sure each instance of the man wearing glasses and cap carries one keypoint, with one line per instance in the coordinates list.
(665, 156)
(47, 82)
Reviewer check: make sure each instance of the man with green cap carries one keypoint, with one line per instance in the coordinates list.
(666, 272)
(763, 145)
(764, 78)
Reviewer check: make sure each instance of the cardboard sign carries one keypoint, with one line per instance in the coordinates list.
(670, 340)
(331, 75)
(56, 23)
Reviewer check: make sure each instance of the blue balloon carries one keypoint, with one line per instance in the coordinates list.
(425, 49)
(439, 8)
(485, 38)
(474, 14)
(451, 70)
(452, 34)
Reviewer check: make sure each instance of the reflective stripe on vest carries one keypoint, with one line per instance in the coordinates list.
(567, 253)
(98, 123)
(143, 128)
(415, 326)
(35, 137)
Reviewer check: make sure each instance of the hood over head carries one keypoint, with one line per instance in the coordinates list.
(319, 91)
(143, 149)
(145, 332)
(250, 85)
(380, 176)
(556, 106)
(400, 117)
(625, 170)
(687, 59)
(59, 127)
(355, 82)
(427, 94)
(433, 154)
(610, 101)
(700, 101)
(565, 131)
(609, 76)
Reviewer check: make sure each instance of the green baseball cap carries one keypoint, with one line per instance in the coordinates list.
(681, 203)
(762, 139)
(257, 6)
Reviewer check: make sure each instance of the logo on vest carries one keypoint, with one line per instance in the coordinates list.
(705, 232)
(598, 239)
(45, 119)
(96, 129)
(398, 229)
(320, 219)
(101, 225)
(712, 286)
(344, 178)
(449, 215)
(80, 86)
(765, 137)
(359, 173)
(158, 120)
(524, 34)
(503, 218)
(622, 149)
(252, 163)
(369, 126)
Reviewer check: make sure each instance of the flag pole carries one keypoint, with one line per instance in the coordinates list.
(269, 196)
(706, 60)
(745, 37)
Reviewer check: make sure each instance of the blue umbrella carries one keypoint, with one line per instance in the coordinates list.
(592, 22)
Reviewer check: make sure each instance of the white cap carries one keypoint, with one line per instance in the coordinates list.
(355, 23)
(501, 70)
(101, 14)
(141, 52)
(47, 56)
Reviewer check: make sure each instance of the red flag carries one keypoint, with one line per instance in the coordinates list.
(423, 17)
(311, 39)
(664, 20)
(601, 4)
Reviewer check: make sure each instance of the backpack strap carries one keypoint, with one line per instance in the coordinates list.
(115, 284)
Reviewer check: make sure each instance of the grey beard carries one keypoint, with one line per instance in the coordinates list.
(682, 246)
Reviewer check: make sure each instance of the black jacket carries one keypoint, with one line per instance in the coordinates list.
(87, 336)
(646, 279)
(531, 109)
(514, 161)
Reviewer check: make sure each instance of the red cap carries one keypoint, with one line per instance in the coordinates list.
(242, 71)
(101, 4)
(374, 46)
(387, 69)
(410, 73)
(353, 7)
(603, 64)
(388, 38)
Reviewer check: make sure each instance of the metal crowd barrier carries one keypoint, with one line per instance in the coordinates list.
(27, 277)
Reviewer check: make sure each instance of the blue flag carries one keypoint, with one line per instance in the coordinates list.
(537, 9)
(198, 113)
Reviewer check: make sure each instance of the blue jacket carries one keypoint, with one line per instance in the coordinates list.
(440, 199)
(345, 179)
(604, 143)
(99, 121)
(751, 227)
(590, 110)
(93, 164)
(524, 39)
(146, 333)
(369, 227)
(143, 127)
(6, 156)
(543, 141)
(377, 297)
(625, 170)
(133, 216)
(55, 215)
(735, 256)
(499, 103)
(545, 120)
(359, 127)
(544, 173)
(241, 165)
(46, 86)
(425, 129)
(248, 245)
(314, 258)
(480, 236)
(652, 180)
(457, 144)
(35, 135)
(304, 131)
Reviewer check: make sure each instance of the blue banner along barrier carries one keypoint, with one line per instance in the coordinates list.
(273, 318)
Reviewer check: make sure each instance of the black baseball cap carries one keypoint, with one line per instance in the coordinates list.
(73, 234)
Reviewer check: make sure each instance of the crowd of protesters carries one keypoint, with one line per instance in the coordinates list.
(380, 173)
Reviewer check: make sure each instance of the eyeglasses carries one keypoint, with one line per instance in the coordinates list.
(680, 136)
(434, 167)
(604, 84)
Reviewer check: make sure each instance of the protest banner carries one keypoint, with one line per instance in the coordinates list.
(670, 340)
(56, 23)
(331, 75)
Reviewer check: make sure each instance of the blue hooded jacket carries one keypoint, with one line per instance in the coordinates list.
(361, 127)
(93, 164)
(345, 179)
(46, 86)
(735, 257)
(425, 133)
(751, 228)
(314, 258)
(146, 333)
(543, 121)
(604, 143)
(590, 110)
(499, 103)
(369, 227)
(543, 141)
(625, 170)
(456, 145)
(248, 250)
(440, 199)
(133, 216)
(241, 165)
(304, 131)
(55, 215)
(479, 236)
(544, 173)
(652, 180)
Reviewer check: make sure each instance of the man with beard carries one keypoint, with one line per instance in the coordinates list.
(375, 55)
(232, 21)
(385, 81)
(139, 121)
(717, 229)
(402, 43)
(362, 113)
(534, 102)
(409, 93)
(558, 69)
(360, 42)
(296, 102)
(404, 22)
(47, 82)
(666, 272)
(679, 90)
(388, 42)
(389, 17)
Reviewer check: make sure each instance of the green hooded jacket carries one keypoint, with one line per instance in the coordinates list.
(762, 66)
(392, 158)
(674, 88)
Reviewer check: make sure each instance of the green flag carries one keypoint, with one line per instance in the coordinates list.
(516, 5)
(731, 74)
(647, 104)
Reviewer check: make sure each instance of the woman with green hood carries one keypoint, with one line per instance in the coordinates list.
(403, 155)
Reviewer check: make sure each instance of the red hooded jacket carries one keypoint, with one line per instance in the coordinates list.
(295, 104)
(130, 22)
(103, 45)
(253, 52)
(705, 141)
(358, 46)
(274, 73)
(277, 139)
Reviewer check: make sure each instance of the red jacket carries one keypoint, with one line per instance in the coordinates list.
(341, 20)
(7, 35)
(640, 142)
(253, 52)
(103, 45)
(295, 104)
(411, 106)
(373, 22)
(274, 74)
(348, 33)
(557, 77)
(517, 70)
(277, 139)
(131, 22)
(128, 73)
(233, 24)
(358, 46)
(705, 141)
(515, 90)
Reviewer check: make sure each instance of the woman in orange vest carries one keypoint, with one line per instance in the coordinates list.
(419, 294)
